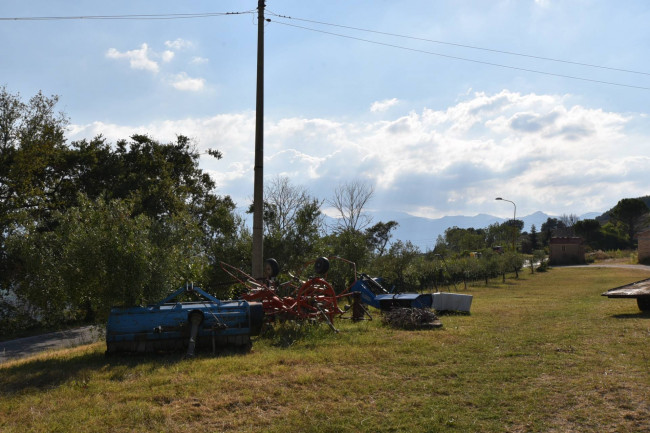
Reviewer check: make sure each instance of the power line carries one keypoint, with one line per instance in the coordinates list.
(611, 83)
(473, 47)
(127, 17)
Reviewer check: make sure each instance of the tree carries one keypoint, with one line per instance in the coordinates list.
(98, 255)
(552, 227)
(632, 214)
(31, 138)
(399, 266)
(292, 222)
(45, 183)
(379, 235)
(350, 200)
(589, 230)
(462, 240)
(534, 243)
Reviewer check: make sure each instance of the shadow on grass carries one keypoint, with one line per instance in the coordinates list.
(639, 315)
(42, 374)
(48, 373)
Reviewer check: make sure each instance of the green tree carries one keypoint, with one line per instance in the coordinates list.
(98, 255)
(549, 228)
(590, 231)
(400, 268)
(631, 213)
(534, 243)
(292, 223)
(379, 235)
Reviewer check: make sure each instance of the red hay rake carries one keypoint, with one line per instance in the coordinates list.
(311, 299)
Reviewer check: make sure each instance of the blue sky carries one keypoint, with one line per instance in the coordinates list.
(434, 134)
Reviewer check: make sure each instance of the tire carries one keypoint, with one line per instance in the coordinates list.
(322, 265)
(275, 267)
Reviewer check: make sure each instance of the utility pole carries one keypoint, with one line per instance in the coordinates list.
(258, 188)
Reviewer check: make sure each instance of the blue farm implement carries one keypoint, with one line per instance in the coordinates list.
(170, 325)
(375, 295)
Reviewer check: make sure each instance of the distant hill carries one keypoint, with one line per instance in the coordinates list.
(423, 232)
(605, 216)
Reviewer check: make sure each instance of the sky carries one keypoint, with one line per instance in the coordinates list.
(419, 99)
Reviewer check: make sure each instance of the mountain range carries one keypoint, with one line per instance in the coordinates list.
(423, 232)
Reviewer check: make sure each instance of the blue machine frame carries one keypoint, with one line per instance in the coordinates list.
(173, 326)
(374, 294)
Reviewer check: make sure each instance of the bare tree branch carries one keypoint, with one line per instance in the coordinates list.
(349, 200)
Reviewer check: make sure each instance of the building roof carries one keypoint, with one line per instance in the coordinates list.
(566, 240)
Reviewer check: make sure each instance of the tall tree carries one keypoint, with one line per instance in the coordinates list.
(534, 243)
(632, 214)
(589, 230)
(379, 235)
(292, 222)
(350, 200)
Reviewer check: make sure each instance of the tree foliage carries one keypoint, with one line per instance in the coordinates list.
(631, 213)
(98, 255)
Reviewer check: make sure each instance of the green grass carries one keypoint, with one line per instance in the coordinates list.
(542, 353)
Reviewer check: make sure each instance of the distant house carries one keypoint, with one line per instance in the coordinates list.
(566, 251)
(644, 247)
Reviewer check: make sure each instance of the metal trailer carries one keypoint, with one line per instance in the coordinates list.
(177, 326)
(639, 290)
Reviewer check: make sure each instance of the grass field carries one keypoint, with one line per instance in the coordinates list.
(544, 353)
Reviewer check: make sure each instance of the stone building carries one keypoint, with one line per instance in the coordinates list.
(566, 251)
(644, 247)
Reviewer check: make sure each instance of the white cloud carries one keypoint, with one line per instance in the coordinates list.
(540, 151)
(167, 56)
(138, 59)
(199, 60)
(178, 44)
(183, 82)
(379, 106)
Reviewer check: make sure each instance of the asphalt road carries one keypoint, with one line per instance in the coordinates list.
(23, 347)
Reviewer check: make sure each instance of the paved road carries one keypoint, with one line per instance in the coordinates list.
(27, 346)
(609, 265)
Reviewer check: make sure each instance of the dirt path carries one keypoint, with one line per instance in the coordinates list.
(23, 347)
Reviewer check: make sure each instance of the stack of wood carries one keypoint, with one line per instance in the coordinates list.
(412, 318)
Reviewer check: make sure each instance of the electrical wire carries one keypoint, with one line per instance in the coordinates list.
(128, 17)
(473, 47)
(516, 68)
(216, 14)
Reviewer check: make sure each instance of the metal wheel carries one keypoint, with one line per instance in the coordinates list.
(316, 299)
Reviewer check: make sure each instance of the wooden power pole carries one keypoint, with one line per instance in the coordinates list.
(258, 190)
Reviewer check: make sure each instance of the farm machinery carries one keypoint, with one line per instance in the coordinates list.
(314, 298)
(171, 325)
(296, 299)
